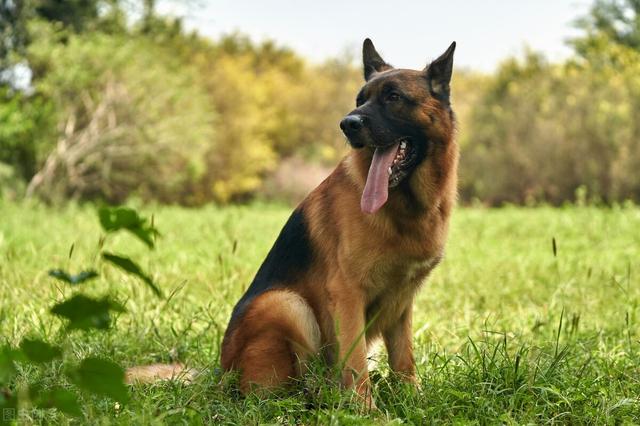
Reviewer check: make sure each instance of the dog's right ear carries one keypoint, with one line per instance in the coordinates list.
(439, 73)
(371, 60)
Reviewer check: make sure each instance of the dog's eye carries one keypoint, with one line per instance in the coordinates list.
(393, 97)
(359, 101)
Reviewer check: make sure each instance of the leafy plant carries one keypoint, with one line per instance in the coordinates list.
(98, 376)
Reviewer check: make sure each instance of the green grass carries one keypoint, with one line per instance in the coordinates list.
(505, 332)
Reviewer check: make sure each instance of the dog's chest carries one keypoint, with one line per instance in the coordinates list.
(390, 287)
(398, 275)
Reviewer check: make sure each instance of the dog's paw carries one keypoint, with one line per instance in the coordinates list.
(412, 380)
(415, 383)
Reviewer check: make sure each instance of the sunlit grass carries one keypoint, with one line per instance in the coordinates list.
(505, 331)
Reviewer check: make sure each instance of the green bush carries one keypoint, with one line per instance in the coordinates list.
(540, 131)
(131, 119)
(27, 132)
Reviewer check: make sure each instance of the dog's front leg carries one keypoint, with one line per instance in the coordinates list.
(398, 340)
(349, 317)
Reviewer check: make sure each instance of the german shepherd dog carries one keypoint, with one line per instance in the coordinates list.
(346, 266)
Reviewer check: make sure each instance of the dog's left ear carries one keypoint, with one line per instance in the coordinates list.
(371, 60)
(439, 74)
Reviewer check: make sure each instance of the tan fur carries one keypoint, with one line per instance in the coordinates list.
(154, 372)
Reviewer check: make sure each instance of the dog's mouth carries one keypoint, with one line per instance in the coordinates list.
(402, 162)
(389, 166)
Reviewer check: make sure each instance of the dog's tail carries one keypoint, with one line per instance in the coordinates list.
(269, 345)
(156, 372)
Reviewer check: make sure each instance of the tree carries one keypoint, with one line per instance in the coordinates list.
(132, 120)
(616, 20)
(13, 30)
(75, 14)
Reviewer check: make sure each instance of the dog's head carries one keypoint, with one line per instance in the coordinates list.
(399, 113)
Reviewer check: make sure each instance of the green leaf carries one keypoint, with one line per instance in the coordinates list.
(8, 358)
(60, 398)
(73, 279)
(84, 312)
(39, 351)
(131, 267)
(101, 377)
(114, 219)
(8, 406)
(7, 366)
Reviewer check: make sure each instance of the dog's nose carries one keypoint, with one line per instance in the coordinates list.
(351, 124)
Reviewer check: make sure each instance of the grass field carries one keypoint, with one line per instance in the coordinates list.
(505, 331)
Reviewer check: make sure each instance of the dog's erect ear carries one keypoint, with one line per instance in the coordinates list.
(372, 61)
(439, 73)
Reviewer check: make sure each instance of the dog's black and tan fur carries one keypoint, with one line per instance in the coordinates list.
(336, 271)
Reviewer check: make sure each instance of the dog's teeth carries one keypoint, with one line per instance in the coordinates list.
(389, 171)
(403, 144)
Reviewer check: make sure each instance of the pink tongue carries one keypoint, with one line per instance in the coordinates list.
(376, 190)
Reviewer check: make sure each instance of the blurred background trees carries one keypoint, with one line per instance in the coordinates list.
(557, 132)
(106, 99)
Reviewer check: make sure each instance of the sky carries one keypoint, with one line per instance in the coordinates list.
(406, 33)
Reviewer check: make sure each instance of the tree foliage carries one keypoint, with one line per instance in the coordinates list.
(151, 111)
(121, 107)
(550, 132)
(131, 119)
(618, 21)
